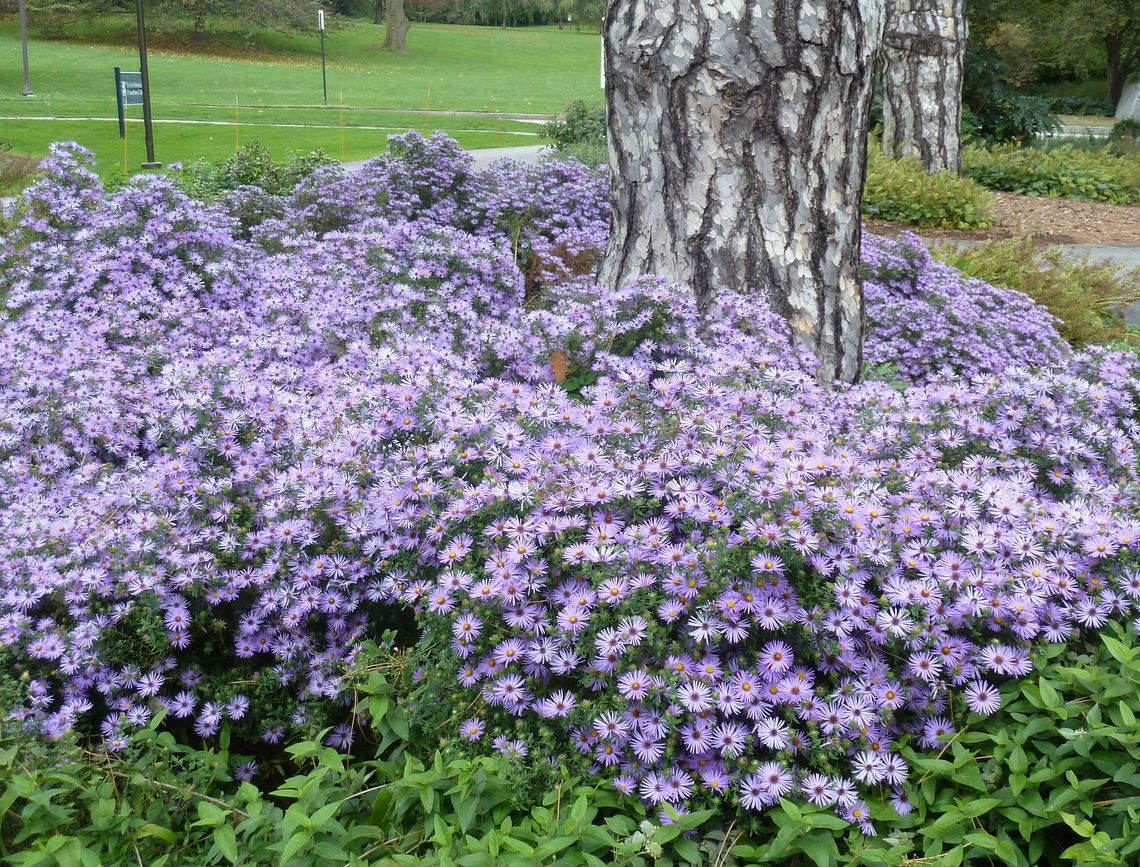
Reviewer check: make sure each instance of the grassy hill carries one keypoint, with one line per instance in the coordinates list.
(275, 81)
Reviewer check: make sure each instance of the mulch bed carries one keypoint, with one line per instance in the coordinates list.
(1047, 221)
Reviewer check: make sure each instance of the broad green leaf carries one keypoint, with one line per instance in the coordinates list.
(226, 842)
(973, 809)
(689, 850)
(1119, 651)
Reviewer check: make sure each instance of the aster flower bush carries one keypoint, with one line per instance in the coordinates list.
(928, 321)
(237, 443)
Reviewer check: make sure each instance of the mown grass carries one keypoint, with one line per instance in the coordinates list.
(276, 79)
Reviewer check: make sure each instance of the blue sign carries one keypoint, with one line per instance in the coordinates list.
(130, 88)
(128, 91)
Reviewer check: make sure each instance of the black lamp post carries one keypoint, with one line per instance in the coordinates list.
(148, 126)
(22, 11)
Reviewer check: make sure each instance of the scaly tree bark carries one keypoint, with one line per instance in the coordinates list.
(924, 49)
(396, 39)
(737, 138)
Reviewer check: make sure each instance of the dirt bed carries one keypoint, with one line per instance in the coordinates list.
(1048, 221)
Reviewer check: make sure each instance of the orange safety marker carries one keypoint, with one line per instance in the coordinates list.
(559, 365)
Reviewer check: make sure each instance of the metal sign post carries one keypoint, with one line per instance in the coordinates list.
(128, 91)
(324, 77)
(148, 126)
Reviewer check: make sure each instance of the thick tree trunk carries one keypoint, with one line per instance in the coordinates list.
(396, 39)
(924, 49)
(1116, 75)
(737, 138)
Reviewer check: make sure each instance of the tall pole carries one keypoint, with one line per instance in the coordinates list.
(148, 127)
(22, 8)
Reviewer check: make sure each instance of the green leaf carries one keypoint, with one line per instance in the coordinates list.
(158, 832)
(226, 841)
(1120, 651)
(1126, 714)
(552, 847)
(1082, 826)
(689, 850)
(976, 808)
(1017, 762)
(210, 815)
(296, 842)
(820, 848)
(325, 813)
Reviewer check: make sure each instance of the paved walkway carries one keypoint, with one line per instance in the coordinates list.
(486, 156)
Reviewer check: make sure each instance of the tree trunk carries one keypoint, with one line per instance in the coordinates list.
(924, 49)
(378, 12)
(737, 136)
(1116, 74)
(396, 39)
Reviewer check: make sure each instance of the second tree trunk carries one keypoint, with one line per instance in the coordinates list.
(924, 47)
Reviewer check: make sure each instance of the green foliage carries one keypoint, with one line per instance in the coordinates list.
(992, 109)
(1124, 139)
(1081, 106)
(251, 165)
(900, 190)
(1052, 779)
(581, 123)
(1083, 296)
(589, 154)
(16, 170)
(167, 805)
(1065, 171)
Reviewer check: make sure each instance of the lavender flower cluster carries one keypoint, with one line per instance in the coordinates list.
(235, 435)
(930, 322)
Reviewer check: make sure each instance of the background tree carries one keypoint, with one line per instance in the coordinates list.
(737, 141)
(1101, 36)
(397, 26)
(924, 50)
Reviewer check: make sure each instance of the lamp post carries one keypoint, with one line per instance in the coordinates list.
(324, 78)
(22, 11)
(148, 127)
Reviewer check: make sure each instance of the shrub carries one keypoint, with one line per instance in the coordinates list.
(1064, 171)
(591, 154)
(250, 166)
(992, 110)
(899, 190)
(1081, 106)
(1083, 297)
(582, 123)
(232, 456)
(16, 170)
(1124, 140)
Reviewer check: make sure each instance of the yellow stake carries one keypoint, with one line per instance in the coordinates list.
(427, 111)
(237, 124)
(495, 120)
(342, 127)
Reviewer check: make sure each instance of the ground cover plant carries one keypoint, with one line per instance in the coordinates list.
(1094, 175)
(243, 438)
(901, 191)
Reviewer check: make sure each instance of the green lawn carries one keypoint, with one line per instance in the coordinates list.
(451, 68)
